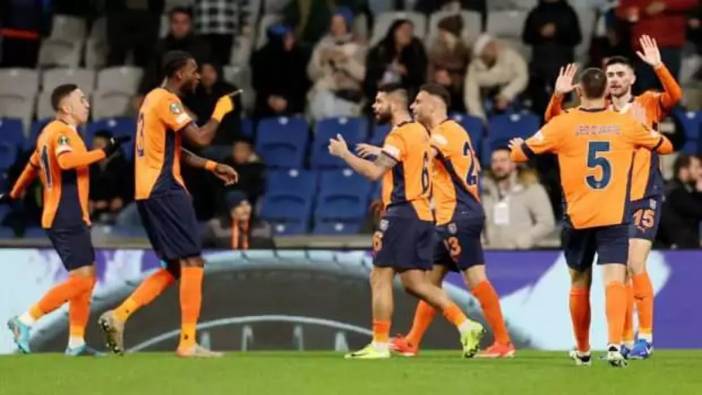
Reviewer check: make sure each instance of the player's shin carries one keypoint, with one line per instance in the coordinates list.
(382, 306)
(147, 291)
(78, 314)
(190, 304)
(57, 296)
(615, 295)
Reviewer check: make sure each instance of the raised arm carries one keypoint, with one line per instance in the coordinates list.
(564, 85)
(373, 171)
(203, 136)
(652, 56)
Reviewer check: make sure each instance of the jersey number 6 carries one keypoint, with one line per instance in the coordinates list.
(594, 160)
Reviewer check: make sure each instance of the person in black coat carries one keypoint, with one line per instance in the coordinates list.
(279, 74)
(682, 210)
(110, 182)
(553, 30)
(398, 58)
(180, 37)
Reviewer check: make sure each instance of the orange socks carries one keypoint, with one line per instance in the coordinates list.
(79, 310)
(629, 317)
(58, 295)
(381, 331)
(423, 317)
(580, 317)
(643, 292)
(190, 302)
(454, 315)
(615, 294)
(490, 303)
(145, 293)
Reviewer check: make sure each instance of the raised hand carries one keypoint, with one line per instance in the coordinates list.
(564, 82)
(338, 146)
(649, 51)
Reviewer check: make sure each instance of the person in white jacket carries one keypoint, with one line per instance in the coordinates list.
(517, 209)
(497, 72)
(337, 69)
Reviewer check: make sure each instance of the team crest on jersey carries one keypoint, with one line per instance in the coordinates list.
(384, 223)
(452, 228)
(63, 140)
(175, 108)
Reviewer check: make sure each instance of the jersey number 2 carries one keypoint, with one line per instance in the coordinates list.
(472, 177)
(595, 160)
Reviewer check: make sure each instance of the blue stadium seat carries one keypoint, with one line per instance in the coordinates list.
(282, 141)
(379, 133)
(11, 132)
(34, 232)
(343, 195)
(119, 126)
(503, 127)
(34, 131)
(287, 204)
(691, 122)
(4, 210)
(475, 128)
(247, 127)
(337, 227)
(8, 155)
(6, 233)
(354, 131)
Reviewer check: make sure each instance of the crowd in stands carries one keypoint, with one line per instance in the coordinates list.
(310, 68)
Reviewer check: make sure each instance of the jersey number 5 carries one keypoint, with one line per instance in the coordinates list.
(595, 160)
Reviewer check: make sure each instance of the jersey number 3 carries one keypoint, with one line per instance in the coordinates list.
(596, 160)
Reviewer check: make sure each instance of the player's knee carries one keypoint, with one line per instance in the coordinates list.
(195, 261)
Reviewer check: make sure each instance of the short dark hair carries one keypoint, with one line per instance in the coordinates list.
(619, 60)
(394, 89)
(173, 61)
(439, 91)
(59, 93)
(593, 82)
(683, 161)
(180, 10)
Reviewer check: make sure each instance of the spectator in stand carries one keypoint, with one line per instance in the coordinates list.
(429, 7)
(517, 210)
(398, 58)
(337, 69)
(682, 210)
(279, 74)
(110, 184)
(237, 228)
(220, 21)
(132, 26)
(311, 18)
(251, 170)
(202, 102)
(22, 25)
(666, 22)
(496, 76)
(448, 60)
(180, 37)
(552, 29)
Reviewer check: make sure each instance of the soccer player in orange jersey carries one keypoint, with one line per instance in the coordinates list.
(62, 163)
(164, 204)
(595, 148)
(648, 108)
(459, 222)
(404, 240)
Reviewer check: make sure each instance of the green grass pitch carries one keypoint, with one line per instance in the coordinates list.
(433, 372)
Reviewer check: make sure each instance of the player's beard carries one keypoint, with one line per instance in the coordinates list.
(383, 117)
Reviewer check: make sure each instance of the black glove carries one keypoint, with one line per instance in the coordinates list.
(5, 198)
(114, 144)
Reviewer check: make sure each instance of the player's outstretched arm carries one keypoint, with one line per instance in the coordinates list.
(71, 159)
(642, 136)
(652, 56)
(202, 136)
(29, 174)
(373, 171)
(223, 172)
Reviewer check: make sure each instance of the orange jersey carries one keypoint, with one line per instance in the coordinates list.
(65, 183)
(595, 150)
(455, 174)
(158, 142)
(408, 183)
(649, 109)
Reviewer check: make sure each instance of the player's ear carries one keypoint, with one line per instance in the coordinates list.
(633, 78)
